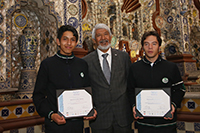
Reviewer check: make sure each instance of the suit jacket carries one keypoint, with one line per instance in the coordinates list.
(111, 99)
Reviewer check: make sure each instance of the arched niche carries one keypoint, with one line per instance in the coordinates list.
(44, 20)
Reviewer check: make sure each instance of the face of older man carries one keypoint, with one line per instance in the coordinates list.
(103, 39)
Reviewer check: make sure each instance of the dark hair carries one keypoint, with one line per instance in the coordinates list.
(151, 33)
(64, 28)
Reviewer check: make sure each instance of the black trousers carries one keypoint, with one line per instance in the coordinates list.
(149, 129)
(71, 126)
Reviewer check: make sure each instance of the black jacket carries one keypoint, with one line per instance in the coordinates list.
(143, 75)
(57, 72)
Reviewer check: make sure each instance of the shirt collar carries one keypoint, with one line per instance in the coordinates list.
(100, 52)
(65, 56)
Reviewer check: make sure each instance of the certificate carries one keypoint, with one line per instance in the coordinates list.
(153, 102)
(75, 103)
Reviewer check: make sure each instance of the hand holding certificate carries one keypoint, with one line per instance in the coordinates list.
(153, 102)
(75, 103)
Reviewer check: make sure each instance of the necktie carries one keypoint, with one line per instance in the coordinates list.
(106, 69)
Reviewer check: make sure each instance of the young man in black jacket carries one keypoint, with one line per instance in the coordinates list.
(154, 72)
(61, 71)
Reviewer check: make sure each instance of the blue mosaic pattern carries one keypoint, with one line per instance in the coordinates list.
(197, 126)
(65, 11)
(80, 24)
(193, 127)
(30, 130)
(31, 109)
(151, 3)
(191, 105)
(18, 111)
(73, 1)
(1, 18)
(1, 50)
(1, 34)
(170, 19)
(20, 21)
(73, 22)
(14, 131)
(181, 125)
(25, 97)
(4, 112)
(9, 12)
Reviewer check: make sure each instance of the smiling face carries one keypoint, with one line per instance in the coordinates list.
(151, 48)
(103, 39)
(67, 43)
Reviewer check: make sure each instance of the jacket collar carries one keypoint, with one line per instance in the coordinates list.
(64, 56)
(148, 62)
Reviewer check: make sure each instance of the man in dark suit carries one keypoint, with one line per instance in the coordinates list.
(109, 85)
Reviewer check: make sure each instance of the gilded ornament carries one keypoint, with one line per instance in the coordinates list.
(86, 27)
(194, 13)
(21, 20)
(133, 54)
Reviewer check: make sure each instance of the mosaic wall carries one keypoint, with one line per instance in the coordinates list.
(72, 15)
(194, 28)
(14, 17)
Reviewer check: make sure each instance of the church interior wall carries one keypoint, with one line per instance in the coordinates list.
(177, 21)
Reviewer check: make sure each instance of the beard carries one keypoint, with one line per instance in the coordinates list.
(103, 42)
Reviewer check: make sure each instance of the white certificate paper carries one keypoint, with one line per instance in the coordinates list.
(154, 103)
(75, 103)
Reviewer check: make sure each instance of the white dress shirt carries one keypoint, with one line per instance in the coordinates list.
(109, 57)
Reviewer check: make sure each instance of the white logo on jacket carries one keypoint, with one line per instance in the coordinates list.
(165, 80)
(82, 74)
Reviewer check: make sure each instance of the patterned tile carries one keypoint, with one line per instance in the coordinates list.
(196, 126)
(189, 126)
(181, 125)
(30, 130)
(31, 109)
(5, 112)
(14, 131)
(17, 111)
(191, 105)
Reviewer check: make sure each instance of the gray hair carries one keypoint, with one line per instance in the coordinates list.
(100, 26)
